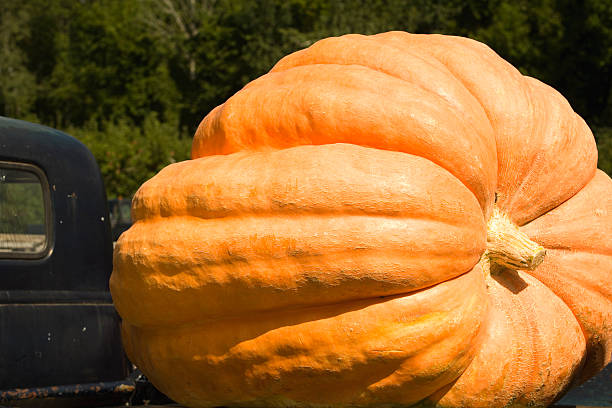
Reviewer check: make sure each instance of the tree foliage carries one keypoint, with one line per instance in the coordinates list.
(17, 83)
(130, 154)
(133, 79)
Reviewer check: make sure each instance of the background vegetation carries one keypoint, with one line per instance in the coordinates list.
(132, 79)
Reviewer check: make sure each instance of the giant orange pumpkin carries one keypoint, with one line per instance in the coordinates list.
(387, 220)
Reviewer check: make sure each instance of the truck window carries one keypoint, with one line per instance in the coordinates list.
(25, 225)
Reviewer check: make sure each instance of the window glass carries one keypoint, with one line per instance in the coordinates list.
(23, 213)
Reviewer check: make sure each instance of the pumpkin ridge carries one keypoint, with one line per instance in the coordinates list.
(568, 222)
(360, 185)
(438, 65)
(225, 265)
(530, 95)
(259, 84)
(380, 71)
(534, 92)
(590, 288)
(573, 249)
(451, 67)
(514, 379)
(425, 51)
(399, 224)
(386, 72)
(287, 310)
(536, 346)
(325, 213)
(589, 284)
(527, 368)
(424, 139)
(514, 85)
(579, 264)
(430, 60)
(477, 339)
(456, 76)
(260, 313)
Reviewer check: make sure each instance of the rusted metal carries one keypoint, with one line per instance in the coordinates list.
(72, 390)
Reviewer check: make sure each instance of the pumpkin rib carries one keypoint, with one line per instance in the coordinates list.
(272, 213)
(564, 226)
(592, 319)
(485, 209)
(282, 66)
(328, 101)
(520, 378)
(290, 86)
(448, 45)
(594, 251)
(427, 387)
(262, 360)
(585, 281)
(341, 178)
(370, 226)
(424, 50)
(300, 308)
(545, 153)
(412, 82)
(324, 213)
(336, 50)
(261, 81)
(231, 250)
(271, 313)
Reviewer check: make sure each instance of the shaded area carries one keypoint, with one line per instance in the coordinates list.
(595, 392)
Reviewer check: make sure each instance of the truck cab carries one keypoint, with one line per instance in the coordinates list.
(59, 332)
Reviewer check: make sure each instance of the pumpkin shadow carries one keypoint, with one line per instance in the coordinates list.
(346, 313)
(243, 329)
(508, 278)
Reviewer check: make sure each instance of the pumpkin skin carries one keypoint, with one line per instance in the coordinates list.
(327, 244)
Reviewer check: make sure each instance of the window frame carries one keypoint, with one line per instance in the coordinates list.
(48, 211)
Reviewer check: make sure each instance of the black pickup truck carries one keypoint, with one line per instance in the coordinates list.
(60, 341)
(59, 332)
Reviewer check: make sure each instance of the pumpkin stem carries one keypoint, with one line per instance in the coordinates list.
(508, 246)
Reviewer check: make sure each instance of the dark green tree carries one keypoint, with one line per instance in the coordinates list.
(128, 154)
(17, 83)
